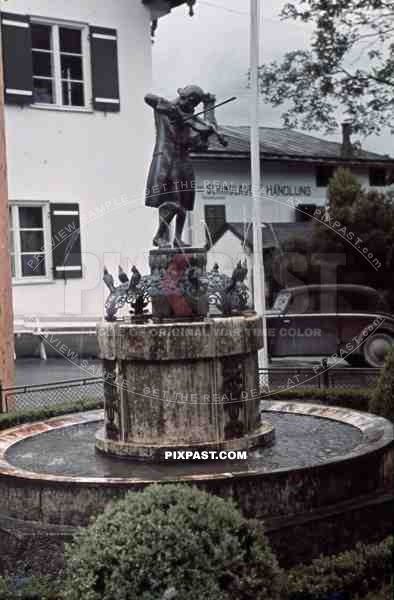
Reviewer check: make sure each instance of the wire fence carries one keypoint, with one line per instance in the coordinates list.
(30, 397)
(318, 376)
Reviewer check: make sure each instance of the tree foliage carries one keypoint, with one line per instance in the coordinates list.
(350, 65)
(354, 238)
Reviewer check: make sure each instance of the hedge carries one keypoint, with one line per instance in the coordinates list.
(13, 419)
(363, 573)
(360, 571)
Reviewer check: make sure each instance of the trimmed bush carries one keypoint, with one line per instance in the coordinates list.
(358, 571)
(356, 399)
(382, 400)
(13, 419)
(172, 542)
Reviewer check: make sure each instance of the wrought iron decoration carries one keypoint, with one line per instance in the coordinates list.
(229, 295)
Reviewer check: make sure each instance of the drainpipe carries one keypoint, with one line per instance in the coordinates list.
(6, 311)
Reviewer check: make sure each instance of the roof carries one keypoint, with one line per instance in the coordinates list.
(171, 3)
(275, 235)
(285, 144)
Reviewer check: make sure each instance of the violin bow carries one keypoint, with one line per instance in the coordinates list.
(203, 112)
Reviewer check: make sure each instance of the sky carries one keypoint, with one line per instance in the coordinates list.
(212, 50)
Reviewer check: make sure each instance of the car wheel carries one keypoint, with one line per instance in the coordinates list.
(376, 347)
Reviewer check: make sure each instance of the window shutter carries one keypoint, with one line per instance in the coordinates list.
(105, 78)
(66, 241)
(17, 58)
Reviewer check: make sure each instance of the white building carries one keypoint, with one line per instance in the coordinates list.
(296, 169)
(79, 141)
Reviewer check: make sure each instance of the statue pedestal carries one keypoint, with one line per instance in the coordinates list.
(180, 290)
(181, 386)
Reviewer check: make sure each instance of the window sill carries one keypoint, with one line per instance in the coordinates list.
(17, 282)
(75, 109)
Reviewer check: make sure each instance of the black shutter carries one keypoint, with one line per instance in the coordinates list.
(66, 241)
(17, 58)
(105, 78)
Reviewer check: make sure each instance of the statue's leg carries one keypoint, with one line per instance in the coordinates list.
(184, 200)
(162, 237)
(179, 225)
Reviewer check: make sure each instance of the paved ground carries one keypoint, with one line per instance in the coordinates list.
(31, 371)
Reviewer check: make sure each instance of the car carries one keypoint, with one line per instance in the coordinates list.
(343, 320)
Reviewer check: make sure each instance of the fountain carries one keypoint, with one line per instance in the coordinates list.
(182, 385)
(181, 380)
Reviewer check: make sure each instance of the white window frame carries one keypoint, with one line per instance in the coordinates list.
(19, 278)
(56, 64)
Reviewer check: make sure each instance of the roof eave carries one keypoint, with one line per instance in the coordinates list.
(159, 8)
(287, 157)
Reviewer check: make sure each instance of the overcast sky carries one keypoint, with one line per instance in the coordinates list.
(212, 50)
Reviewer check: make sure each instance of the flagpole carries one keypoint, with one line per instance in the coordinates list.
(256, 176)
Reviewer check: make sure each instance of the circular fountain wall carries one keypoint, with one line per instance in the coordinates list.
(49, 473)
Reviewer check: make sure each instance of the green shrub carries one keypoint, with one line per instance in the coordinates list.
(382, 400)
(172, 542)
(29, 588)
(356, 399)
(354, 572)
(8, 420)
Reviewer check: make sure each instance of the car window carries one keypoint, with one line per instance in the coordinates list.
(360, 300)
(312, 301)
(303, 302)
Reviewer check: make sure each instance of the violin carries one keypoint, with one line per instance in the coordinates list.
(200, 126)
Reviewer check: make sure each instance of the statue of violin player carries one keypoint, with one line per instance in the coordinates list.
(171, 180)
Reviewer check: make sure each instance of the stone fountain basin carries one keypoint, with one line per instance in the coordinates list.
(363, 470)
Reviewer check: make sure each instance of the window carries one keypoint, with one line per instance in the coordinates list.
(215, 219)
(59, 56)
(377, 177)
(65, 65)
(29, 242)
(323, 175)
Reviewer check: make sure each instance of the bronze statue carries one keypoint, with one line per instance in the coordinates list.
(171, 183)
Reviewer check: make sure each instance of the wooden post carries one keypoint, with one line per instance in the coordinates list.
(6, 311)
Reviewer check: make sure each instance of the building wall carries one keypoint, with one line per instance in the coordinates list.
(90, 158)
(278, 201)
(227, 252)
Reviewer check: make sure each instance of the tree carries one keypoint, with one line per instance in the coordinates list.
(172, 542)
(382, 400)
(350, 65)
(356, 230)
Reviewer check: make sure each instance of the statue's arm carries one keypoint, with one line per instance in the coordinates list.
(161, 105)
